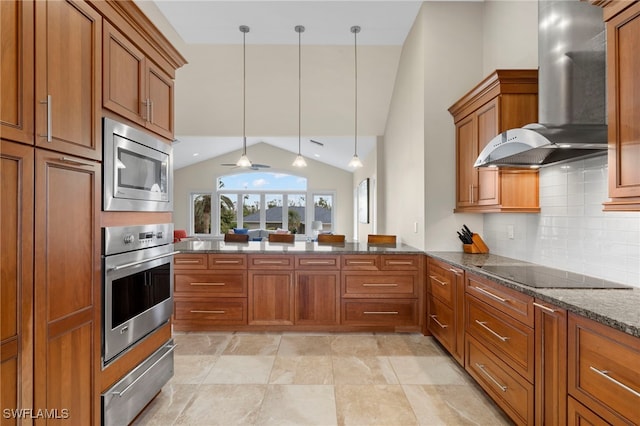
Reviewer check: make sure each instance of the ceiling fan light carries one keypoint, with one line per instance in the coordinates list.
(243, 161)
(355, 162)
(299, 161)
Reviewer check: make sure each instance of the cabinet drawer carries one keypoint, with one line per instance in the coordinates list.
(325, 263)
(441, 285)
(579, 415)
(227, 261)
(400, 262)
(361, 262)
(220, 284)
(510, 340)
(270, 262)
(190, 261)
(506, 387)
(377, 285)
(373, 312)
(440, 321)
(604, 370)
(511, 302)
(211, 311)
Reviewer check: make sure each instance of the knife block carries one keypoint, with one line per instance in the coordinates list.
(478, 245)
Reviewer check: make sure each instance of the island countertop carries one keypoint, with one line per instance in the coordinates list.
(298, 247)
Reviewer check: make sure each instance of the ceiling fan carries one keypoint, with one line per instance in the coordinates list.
(253, 166)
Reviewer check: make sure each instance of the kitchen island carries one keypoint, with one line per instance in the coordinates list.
(303, 286)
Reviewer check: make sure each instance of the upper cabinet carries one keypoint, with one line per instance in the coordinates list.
(505, 99)
(68, 78)
(134, 87)
(623, 104)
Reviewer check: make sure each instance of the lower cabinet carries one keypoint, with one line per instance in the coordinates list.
(550, 363)
(317, 298)
(271, 298)
(579, 415)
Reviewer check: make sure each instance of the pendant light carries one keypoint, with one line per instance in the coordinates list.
(299, 161)
(244, 160)
(355, 162)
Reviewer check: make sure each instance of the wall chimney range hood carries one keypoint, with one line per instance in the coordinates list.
(571, 92)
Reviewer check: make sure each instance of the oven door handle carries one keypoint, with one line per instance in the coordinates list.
(123, 391)
(139, 262)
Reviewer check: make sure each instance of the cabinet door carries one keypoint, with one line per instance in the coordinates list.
(67, 284)
(487, 119)
(124, 76)
(16, 263)
(68, 78)
(317, 298)
(16, 71)
(466, 155)
(159, 101)
(623, 37)
(550, 364)
(271, 298)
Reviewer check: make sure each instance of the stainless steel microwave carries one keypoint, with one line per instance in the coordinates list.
(137, 170)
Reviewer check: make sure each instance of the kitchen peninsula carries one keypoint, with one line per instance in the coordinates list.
(301, 286)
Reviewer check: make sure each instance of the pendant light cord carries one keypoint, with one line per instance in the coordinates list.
(244, 89)
(299, 29)
(355, 30)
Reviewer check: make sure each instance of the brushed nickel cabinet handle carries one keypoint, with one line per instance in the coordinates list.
(270, 262)
(178, 261)
(455, 271)
(150, 111)
(209, 284)
(318, 262)
(48, 135)
(605, 374)
(483, 325)
(380, 312)
(488, 293)
(398, 262)
(197, 311)
(76, 162)
(502, 387)
(435, 319)
(546, 308)
(235, 262)
(442, 283)
(379, 285)
(359, 262)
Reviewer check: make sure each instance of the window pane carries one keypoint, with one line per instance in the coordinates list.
(322, 209)
(262, 181)
(251, 211)
(274, 211)
(201, 213)
(296, 213)
(228, 212)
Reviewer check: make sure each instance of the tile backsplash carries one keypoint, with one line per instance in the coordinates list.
(572, 232)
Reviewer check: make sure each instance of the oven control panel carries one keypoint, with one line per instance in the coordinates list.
(121, 239)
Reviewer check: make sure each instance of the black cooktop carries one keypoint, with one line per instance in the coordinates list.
(544, 277)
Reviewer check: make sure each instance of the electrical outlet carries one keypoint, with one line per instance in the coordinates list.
(415, 227)
(510, 232)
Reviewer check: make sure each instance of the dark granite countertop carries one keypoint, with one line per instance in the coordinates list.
(299, 247)
(617, 308)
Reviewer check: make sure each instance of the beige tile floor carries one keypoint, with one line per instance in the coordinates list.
(317, 379)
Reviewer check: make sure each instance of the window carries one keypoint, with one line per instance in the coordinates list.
(323, 212)
(201, 213)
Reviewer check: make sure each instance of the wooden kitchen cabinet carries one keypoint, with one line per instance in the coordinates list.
(445, 306)
(271, 290)
(623, 104)
(550, 364)
(67, 289)
(16, 262)
(68, 57)
(134, 87)
(603, 372)
(505, 99)
(16, 71)
(317, 290)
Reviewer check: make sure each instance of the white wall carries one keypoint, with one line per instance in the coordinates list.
(368, 170)
(320, 177)
(572, 232)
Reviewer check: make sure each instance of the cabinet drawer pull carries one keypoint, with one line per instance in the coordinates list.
(359, 262)
(379, 285)
(380, 312)
(546, 308)
(488, 293)
(435, 319)
(482, 324)
(178, 261)
(503, 388)
(399, 262)
(74, 161)
(455, 271)
(605, 374)
(228, 261)
(318, 262)
(48, 135)
(270, 262)
(211, 284)
(442, 283)
(196, 311)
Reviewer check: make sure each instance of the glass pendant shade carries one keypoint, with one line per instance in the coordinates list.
(299, 161)
(355, 162)
(244, 161)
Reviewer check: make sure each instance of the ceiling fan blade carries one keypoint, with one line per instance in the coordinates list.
(316, 142)
(260, 166)
(228, 164)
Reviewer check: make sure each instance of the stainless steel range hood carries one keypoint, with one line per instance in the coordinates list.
(571, 92)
